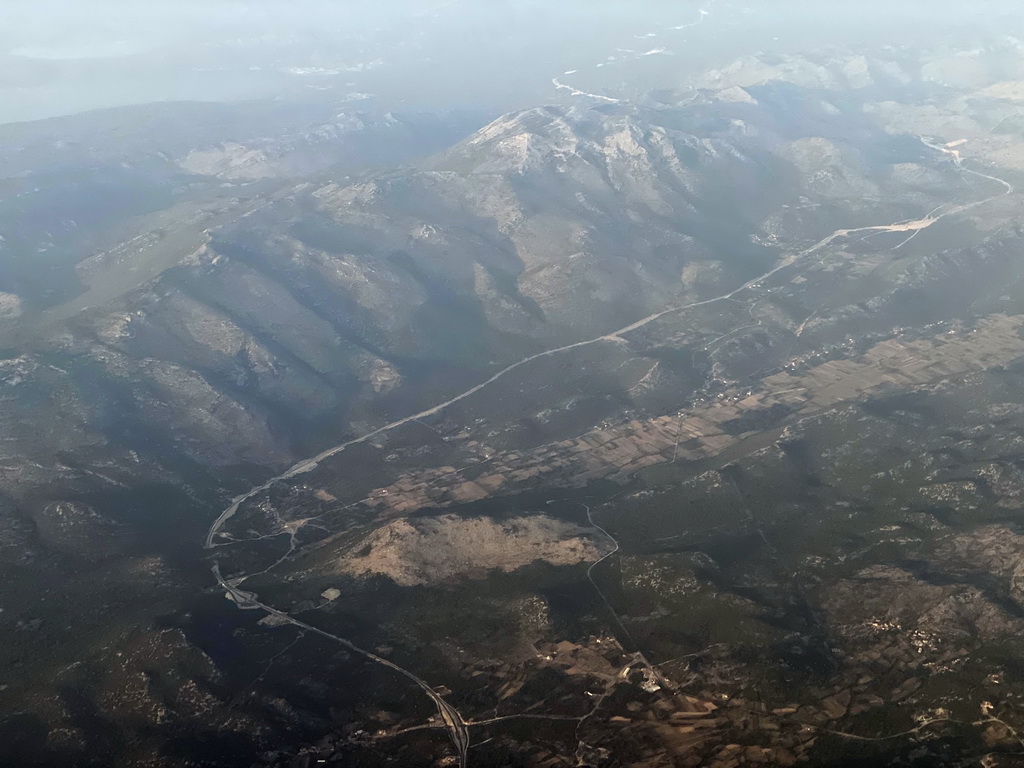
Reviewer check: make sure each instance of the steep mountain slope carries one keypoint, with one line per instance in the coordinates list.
(296, 315)
(546, 226)
(73, 186)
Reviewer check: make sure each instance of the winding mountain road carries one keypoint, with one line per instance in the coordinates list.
(453, 721)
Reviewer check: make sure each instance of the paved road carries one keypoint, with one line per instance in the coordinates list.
(453, 721)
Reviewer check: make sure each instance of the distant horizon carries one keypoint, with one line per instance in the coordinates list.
(489, 383)
(66, 57)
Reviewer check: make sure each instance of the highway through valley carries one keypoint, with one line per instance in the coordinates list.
(453, 721)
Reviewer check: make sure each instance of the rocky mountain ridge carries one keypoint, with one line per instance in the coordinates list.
(300, 314)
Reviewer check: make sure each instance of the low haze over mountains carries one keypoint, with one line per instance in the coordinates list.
(655, 402)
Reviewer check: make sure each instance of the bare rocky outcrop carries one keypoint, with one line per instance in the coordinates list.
(77, 529)
(437, 549)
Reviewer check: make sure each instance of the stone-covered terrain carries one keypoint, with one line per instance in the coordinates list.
(683, 430)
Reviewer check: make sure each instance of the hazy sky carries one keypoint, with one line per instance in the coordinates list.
(63, 56)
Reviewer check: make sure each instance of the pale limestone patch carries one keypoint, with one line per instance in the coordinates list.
(432, 550)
